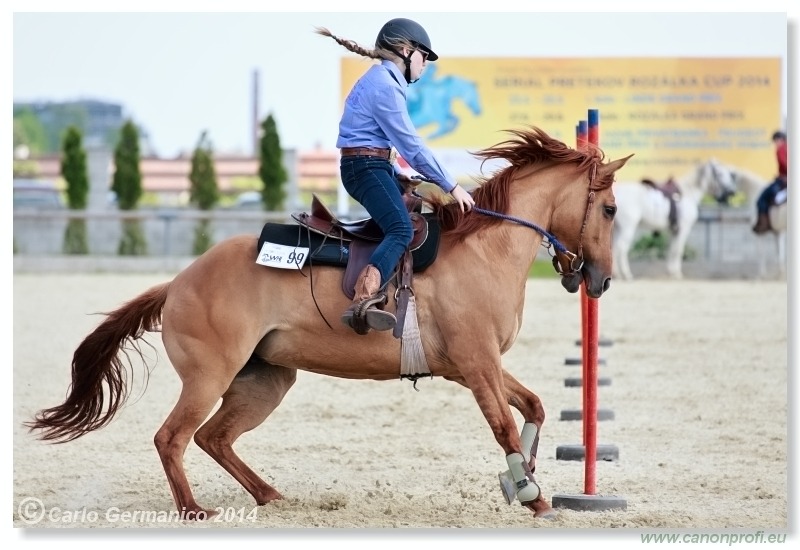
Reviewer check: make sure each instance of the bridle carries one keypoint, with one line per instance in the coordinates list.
(573, 258)
(715, 173)
(574, 261)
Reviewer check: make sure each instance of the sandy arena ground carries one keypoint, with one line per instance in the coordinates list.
(698, 388)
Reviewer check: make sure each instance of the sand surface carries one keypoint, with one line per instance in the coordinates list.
(698, 389)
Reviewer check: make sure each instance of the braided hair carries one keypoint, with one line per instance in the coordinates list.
(376, 53)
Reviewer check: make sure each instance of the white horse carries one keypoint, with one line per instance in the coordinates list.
(773, 241)
(642, 205)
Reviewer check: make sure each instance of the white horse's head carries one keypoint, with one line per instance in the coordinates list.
(717, 180)
(746, 181)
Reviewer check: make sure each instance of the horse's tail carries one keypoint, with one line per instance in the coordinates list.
(96, 360)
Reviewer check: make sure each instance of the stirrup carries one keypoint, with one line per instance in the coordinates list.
(350, 319)
(365, 315)
(375, 318)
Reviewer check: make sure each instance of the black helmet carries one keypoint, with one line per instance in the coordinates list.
(402, 28)
(778, 135)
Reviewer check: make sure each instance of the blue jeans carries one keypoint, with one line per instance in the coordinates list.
(768, 195)
(371, 181)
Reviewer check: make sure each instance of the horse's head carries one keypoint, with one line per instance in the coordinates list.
(582, 221)
(718, 180)
(547, 180)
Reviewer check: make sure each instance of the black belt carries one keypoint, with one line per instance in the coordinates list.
(366, 152)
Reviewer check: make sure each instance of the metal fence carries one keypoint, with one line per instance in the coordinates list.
(721, 241)
(168, 232)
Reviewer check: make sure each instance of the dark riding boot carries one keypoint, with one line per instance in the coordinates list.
(364, 314)
(762, 225)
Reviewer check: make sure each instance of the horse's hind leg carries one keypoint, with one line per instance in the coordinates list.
(197, 399)
(252, 396)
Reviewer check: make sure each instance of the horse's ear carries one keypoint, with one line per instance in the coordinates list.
(613, 166)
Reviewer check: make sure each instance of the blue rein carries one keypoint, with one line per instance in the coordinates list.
(550, 237)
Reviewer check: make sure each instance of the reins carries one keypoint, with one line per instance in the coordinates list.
(551, 240)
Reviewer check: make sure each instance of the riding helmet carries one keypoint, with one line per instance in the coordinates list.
(401, 28)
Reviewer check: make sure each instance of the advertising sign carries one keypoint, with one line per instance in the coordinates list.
(672, 113)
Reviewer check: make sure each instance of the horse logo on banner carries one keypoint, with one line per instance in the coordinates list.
(430, 101)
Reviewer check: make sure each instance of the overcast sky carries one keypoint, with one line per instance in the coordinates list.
(177, 74)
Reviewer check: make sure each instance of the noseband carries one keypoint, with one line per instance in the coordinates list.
(575, 261)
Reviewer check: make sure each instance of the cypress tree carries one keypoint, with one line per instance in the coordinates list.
(127, 184)
(75, 173)
(271, 171)
(204, 192)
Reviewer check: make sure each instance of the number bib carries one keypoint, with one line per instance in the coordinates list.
(283, 257)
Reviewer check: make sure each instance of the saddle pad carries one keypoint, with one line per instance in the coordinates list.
(333, 252)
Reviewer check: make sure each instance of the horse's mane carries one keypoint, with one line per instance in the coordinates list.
(526, 148)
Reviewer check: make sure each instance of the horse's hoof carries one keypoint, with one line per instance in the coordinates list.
(547, 513)
(541, 509)
(268, 497)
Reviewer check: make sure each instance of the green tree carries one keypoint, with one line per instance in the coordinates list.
(74, 170)
(127, 184)
(29, 139)
(29, 131)
(271, 170)
(75, 173)
(204, 192)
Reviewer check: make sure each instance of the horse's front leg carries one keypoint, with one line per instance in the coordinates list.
(532, 410)
(486, 384)
(530, 406)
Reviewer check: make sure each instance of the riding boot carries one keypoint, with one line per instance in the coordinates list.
(762, 225)
(364, 313)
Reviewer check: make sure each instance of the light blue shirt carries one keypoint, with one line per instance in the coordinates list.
(376, 115)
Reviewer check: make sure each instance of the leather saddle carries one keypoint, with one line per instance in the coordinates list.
(672, 192)
(363, 236)
(321, 220)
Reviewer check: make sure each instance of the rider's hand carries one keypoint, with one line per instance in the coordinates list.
(464, 199)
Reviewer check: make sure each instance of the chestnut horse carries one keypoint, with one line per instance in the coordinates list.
(225, 311)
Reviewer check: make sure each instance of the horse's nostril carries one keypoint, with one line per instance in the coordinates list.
(606, 284)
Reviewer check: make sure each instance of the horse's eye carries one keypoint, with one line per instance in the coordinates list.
(610, 210)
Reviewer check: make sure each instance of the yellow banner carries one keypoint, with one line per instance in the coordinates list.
(671, 112)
